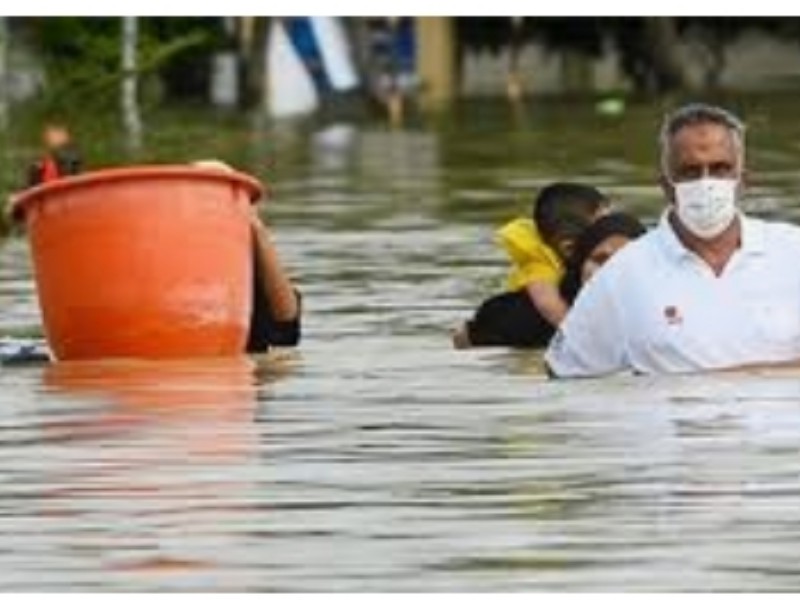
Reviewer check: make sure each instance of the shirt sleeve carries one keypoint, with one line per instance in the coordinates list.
(539, 270)
(590, 341)
(531, 259)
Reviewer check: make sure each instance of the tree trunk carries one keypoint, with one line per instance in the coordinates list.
(129, 97)
(661, 43)
(3, 72)
(254, 59)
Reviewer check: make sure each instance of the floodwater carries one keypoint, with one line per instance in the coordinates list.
(375, 457)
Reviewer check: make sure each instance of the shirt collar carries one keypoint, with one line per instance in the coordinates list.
(752, 237)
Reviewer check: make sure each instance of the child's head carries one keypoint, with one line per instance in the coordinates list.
(55, 135)
(563, 211)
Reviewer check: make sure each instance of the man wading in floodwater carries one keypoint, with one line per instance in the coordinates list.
(708, 288)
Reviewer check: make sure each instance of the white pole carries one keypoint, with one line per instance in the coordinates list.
(3, 72)
(130, 103)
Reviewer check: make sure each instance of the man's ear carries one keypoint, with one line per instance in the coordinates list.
(667, 188)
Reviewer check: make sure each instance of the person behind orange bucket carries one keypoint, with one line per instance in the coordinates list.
(61, 156)
(275, 318)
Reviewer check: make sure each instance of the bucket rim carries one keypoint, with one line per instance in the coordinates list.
(20, 202)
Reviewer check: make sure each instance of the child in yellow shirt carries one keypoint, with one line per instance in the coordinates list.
(539, 247)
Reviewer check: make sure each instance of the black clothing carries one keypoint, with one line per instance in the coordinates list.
(265, 331)
(509, 319)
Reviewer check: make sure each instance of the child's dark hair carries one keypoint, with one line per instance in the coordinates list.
(566, 209)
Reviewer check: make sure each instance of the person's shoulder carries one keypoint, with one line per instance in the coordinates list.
(650, 241)
(520, 239)
(779, 235)
(783, 228)
(637, 252)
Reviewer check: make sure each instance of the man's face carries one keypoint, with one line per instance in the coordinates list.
(702, 150)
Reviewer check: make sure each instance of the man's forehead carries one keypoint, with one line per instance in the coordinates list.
(703, 134)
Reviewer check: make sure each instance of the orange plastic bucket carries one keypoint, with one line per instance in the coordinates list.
(146, 262)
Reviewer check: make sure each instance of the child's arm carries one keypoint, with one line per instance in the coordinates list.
(548, 301)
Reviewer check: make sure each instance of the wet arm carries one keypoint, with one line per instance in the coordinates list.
(283, 301)
(548, 301)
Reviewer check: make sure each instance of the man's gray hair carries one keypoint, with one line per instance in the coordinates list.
(696, 114)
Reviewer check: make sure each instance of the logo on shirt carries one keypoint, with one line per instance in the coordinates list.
(672, 315)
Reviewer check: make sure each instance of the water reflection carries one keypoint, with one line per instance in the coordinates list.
(174, 399)
(140, 460)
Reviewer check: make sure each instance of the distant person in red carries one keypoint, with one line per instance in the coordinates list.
(61, 156)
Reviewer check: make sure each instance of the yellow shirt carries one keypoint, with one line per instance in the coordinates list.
(531, 258)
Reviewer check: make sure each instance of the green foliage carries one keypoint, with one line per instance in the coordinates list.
(82, 57)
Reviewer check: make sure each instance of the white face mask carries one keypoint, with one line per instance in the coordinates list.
(706, 206)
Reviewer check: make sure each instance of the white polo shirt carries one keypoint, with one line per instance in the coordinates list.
(656, 307)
